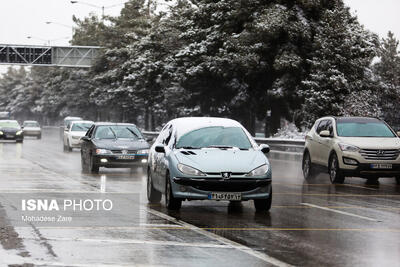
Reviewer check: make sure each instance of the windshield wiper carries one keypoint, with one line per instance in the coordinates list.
(135, 134)
(115, 135)
(188, 147)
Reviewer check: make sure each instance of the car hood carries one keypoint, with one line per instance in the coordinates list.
(9, 130)
(121, 144)
(372, 142)
(218, 160)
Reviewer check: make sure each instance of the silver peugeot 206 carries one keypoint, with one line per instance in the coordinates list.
(208, 158)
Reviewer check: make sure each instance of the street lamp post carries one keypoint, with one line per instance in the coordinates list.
(96, 6)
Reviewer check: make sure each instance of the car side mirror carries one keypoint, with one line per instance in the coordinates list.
(22, 127)
(85, 138)
(325, 133)
(160, 149)
(264, 148)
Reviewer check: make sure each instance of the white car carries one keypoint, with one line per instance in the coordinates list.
(32, 128)
(73, 133)
(352, 147)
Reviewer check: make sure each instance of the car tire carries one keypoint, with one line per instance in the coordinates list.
(398, 180)
(19, 141)
(263, 204)
(308, 171)
(152, 194)
(335, 174)
(93, 168)
(69, 148)
(171, 202)
(85, 168)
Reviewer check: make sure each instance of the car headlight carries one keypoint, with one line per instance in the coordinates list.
(1, 133)
(101, 151)
(143, 151)
(185, 169)
(259, 171)
(19, 133)
(347, 147)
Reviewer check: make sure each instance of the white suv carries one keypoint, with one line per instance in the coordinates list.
(352, 146)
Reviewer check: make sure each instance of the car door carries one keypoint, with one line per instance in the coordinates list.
(317, 143)
(326, 143)
(86, 144)
(163, 160)
(155, 165)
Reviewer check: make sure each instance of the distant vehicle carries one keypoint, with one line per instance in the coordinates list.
(32, 128)
(11, 130)
(4, 115)
(113, 145)
(208, 158)
(352, 146)
(74, 132)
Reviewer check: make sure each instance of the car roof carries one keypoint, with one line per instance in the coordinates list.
(101, 123)
(30, 121)
(348, 118)
(72, 118)
(187, 124)
(82, 121)
(8, 121)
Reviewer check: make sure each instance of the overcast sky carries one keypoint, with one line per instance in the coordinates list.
(22, 18)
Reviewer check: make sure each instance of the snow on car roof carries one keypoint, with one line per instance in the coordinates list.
(185, 125)
(81, 121)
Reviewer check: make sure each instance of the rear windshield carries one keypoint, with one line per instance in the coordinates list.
(9, 124)
(81, 127)
(117, 132)
(215, 136)
(363, 129)
(31, 124)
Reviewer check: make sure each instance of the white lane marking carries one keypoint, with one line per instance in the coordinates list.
(340, 212)
(359, 186)
(161, 225)
(138, 241)
(230, 243)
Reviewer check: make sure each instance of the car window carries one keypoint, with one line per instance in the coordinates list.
(217, 136)
(363, 129)
(117, 132)
(81, 127)
(161, 136)
(321, 126)
(168, 135)
(31, 124)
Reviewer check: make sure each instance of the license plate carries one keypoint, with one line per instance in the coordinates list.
(9, 136)
(225, 196)
(381, 166)
(126, 157)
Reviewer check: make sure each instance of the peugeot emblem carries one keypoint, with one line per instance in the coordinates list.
(226, 175)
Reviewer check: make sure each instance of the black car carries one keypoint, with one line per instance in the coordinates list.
(113, 145)
(11, 130)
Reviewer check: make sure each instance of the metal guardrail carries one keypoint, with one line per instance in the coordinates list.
(287, 145)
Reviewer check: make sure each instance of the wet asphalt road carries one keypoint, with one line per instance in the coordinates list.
(311, 223)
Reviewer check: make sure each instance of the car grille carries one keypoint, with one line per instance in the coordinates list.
(120, 152)
(380, 154)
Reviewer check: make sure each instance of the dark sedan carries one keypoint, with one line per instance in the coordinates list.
(113, 145)
(11, 130)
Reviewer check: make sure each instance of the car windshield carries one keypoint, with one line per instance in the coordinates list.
(31, 124)
(363, 129)
(9, 124)
(81, 127)
(66, 122)
(219, 137)
(118, 131)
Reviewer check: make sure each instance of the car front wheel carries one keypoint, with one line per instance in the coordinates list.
(93, 167)
(152, 194)
(306, 166)
(264, 204)
(171, 202)
(335, 174)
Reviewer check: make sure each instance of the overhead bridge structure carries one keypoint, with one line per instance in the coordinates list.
(62, 56)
